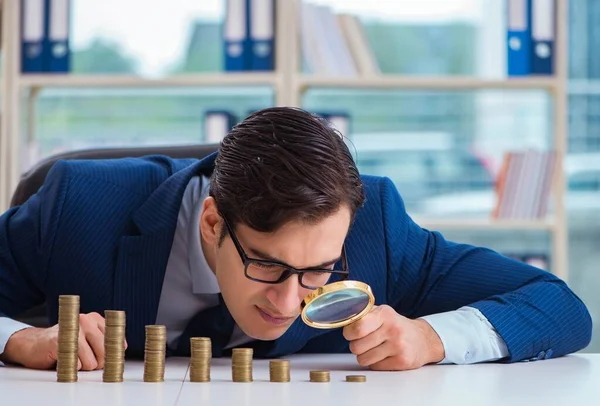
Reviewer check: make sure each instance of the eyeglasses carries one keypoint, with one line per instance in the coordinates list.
(274, 272)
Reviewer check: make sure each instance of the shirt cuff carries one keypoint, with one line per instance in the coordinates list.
(467, 336)
(7, 328)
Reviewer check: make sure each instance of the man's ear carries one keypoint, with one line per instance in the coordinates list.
(211, 222)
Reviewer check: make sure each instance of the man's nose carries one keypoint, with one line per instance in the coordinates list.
(286, 296)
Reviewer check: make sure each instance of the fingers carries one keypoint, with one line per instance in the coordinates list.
(374, 355)
(400, 362)
(95, 339)
(362, 345)
(87, 357)
(93, 326)
(101, 324)
(365, 326)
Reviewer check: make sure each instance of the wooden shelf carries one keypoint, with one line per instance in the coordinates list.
(200, 79)
(485, 224)
(421, 82)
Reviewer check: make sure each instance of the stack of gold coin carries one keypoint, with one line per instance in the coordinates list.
(279, 370)
(114, 346)
(319, 376)
(356, 378)
(154, 354)
(241, 364)
(201, 354)
(68, 338)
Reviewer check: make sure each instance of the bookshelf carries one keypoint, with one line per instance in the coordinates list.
(486, 224)
(435, 83)
(19, 92)
(27, 82)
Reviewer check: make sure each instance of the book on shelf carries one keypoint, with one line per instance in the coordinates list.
(524, 184)
(45, 36)
(340, 120)
(217, 124)
(530, 37)
(249, 35)
(538, 260)
(334, 44)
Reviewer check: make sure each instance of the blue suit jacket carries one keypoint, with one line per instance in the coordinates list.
(104, 229)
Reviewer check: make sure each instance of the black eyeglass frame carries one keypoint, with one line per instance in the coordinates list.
(289, 270)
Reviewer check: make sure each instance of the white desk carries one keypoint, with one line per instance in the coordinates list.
(572, 380)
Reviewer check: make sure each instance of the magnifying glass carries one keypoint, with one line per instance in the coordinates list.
(337, 304)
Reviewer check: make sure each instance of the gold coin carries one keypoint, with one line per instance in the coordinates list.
(356, 378)
(241, 364)
(279, 370)
(319, 376)
(155, 353)
(114, 346)
(68, 335)
(201, 354)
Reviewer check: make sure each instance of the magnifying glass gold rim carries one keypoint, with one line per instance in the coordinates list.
(334, 287)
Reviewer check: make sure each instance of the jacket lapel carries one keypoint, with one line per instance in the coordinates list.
(142, 258)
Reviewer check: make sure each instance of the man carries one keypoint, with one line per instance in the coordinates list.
(228, 247)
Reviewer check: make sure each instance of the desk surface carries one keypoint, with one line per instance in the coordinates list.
(571, 380)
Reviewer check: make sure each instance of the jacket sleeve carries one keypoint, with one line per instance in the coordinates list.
(534, 312)
(26, 240)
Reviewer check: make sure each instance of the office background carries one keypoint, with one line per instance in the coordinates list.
(427, 92)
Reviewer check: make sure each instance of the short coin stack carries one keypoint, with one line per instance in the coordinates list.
(241, 364)
(114, 346)
(201, 354)
(154, 354)
(279, 370)
(356, 378)
(68, 338)
(319, 376)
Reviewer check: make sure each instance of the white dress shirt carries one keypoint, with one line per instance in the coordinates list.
(190, 286)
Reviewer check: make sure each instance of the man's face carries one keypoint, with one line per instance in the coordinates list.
(265, 311)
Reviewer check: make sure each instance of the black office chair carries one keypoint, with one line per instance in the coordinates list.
(33, 179)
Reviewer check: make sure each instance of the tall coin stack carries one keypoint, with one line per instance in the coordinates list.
(68, 338)
(319, 376)
(279, 370)
(241, 364)
(201, 354)
(154, 354)
(114, 346)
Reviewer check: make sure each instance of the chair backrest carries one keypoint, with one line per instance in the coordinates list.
(33, 179)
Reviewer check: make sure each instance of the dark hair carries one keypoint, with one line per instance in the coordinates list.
(284, 164)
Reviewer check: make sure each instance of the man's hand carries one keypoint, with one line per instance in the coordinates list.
(37, 347)
(385, 340)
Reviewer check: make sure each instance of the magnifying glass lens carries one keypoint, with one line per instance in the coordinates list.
(337, 306)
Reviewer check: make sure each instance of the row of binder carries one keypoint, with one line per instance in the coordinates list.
(524, 184)
(249, 35)
(218, 123)
(45, 36)
(531, 37)
(331, 43)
